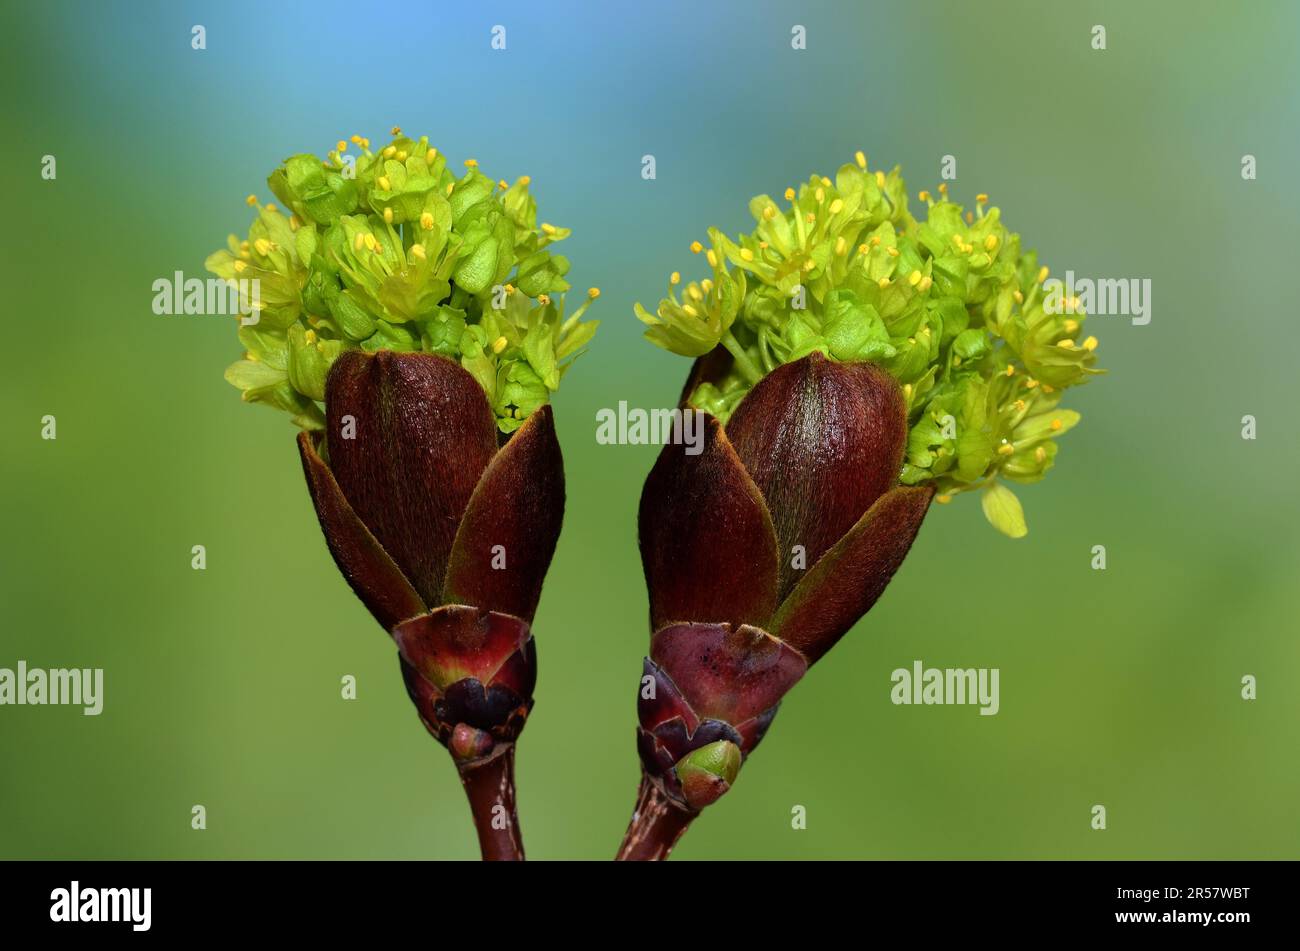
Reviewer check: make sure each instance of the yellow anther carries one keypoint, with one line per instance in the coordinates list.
(695, 293)
(696, 247)
(525, 180)
(543, 299)
(372, 243)
(341, 146)
(1071, 326)
(769, 212)
(860, 159)
(426, 221)
(365, 143)
(746, 254)
(1019, 297)
(401, 155)
(451, 187)
(430, 156)
(882, 283)
(990, 242)
(863, 249)
(251, 200)
(294, 223)
(503, 184)
(1006, 449)
(356, 140)
(593, 292)
(837, 206)
(712, 258)
(384, 184)
(1056, 424)
(1048, 389)
(970, 217)
(789, 194)
(471, 163)
(841, 245)
(810, 217)
(1066, 344)
(923, 287)
(388, 216)
(548, 228)
(880, 179)
(397, 130)
(499, 344)
(820, 195)
(907, 390)
(981, 198)
(510, 288)
(875, 240)
(893, 252)
(707, 285)
(943, 188)
(1090, 343)
(762, 245)
(270, 206)
(390, 151)
(675, 278)
(957, 241)
(914, 278)
(240, 267)
(1020, 406)
(309, 336)
(1030, 384)
(923, 195)
(1011, 371)
(1042, 274)
(1040, 454)
(943, 499)
(689, 311)
(262, 246)
(418, 251)
(809, 265)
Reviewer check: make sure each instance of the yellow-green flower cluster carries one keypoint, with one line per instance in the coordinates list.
(948, 304)
(391, 250)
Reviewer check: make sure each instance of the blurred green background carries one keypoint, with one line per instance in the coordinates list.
(1119, 687)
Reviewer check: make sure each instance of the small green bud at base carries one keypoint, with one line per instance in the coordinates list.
(707, 773)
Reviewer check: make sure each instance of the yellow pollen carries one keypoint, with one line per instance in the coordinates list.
(707, 285)
(712, 258)
(426, 221)
(401, 155)
(397, 130)
(1071, 326)
(1048, 389)
(893, 252)
(430, 156)
(262, 246)
(1056, 424)
(548, 228)
(309, 336)
(696, 247)
(1066, 344)
(769, 213)
(860, 159)
(269, 206)
(880, 179)
(762, 245)
(863, 249)
(593, 292)
(388, 216)
(1030, 384)
(365, 143)
(943, 499)
(418, 251)
(251, 200)
(499, 344)
(943, 188)
(875, 240)
(1020, 405)
(923, 195)
(510, 288)
(789, 194)
(689, 311)
(981, 198)
(342, 146)
(1011, 371)
(990, 242)
(837, 206)
(503, 184)
(810, 217)
(882, 283)
(240, 267)
(925, 286)
(390, 151)
(356, 140)
(820, 195)
(675, 277)
(1006, 449)
(543, 299)
(383, 182)
(525, 180)
(1042, 274)
(1090, 343)
(746, 254)
(471, 163)
(695, 293)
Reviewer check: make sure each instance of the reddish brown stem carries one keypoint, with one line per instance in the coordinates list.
(657, 823)
(490, 786)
